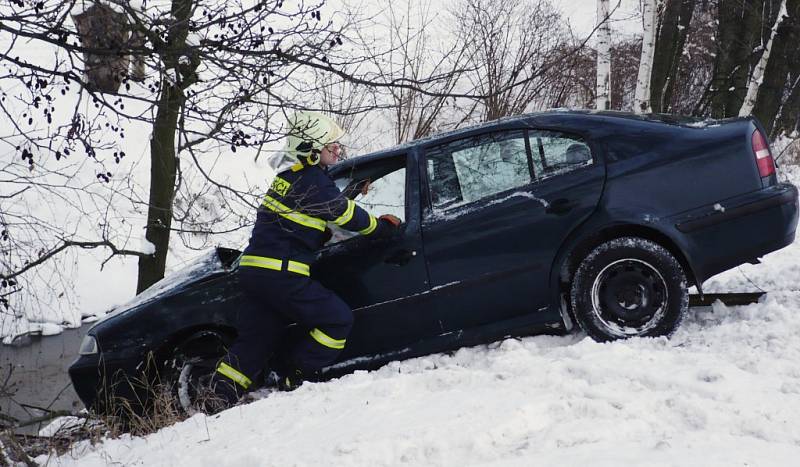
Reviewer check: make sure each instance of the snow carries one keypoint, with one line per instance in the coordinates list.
(11, 329)
(147, 247)
(724, 390)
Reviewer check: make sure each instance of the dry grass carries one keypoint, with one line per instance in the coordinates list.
(158, 408)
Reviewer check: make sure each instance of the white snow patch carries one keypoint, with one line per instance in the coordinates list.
(147, 247)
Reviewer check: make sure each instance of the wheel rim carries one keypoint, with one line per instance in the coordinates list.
(629, 297)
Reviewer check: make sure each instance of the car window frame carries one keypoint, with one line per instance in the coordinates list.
(427, 215)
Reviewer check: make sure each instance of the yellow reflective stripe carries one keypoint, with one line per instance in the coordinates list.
(327, 340)
(279, 208)
(347, 214)
(261, 262)
(299, 268)
(235, 375)
(275, 264)
(373, 223)
(297, 167)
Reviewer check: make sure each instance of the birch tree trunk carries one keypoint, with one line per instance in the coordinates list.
(603, 87)
(642, 97)
(757, 78)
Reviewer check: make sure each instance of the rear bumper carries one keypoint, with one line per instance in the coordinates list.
(738, 230)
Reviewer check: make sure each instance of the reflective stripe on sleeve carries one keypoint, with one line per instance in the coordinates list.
(347, 214)
(275, 264)
(303, 219)
(327, 340)
(373, 223)
(234, 375)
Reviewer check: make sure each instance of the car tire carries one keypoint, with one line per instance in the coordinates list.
(629, 287)
(188, 373)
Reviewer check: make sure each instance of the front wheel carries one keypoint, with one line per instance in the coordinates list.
(629, 287)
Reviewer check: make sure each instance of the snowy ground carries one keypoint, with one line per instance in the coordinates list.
(723, 391)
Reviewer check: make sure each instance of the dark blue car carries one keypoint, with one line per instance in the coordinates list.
(520, 226)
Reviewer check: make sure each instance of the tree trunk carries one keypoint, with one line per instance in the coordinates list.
(163, 165)
(641, 102)
(603, 89)
(758, 77)
(673, 28)
(163, 160)
(777, 82)
(739, 33)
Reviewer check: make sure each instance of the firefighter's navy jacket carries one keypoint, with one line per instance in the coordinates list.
(292, 220)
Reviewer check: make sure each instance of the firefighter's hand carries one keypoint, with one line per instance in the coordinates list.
(366, 187)
(392, 219)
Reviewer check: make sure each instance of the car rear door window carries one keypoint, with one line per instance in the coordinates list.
(555, 153)
(467, 170)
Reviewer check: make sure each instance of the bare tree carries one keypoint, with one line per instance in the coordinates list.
(510, 42)
(413, 57)
(218, 73)
(650, 13)
(757, 76)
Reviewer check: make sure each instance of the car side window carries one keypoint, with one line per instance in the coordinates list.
(470, 169)
(379, 188)
(556, 153)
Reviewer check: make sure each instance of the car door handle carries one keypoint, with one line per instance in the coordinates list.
(401, 257)
(560, 206)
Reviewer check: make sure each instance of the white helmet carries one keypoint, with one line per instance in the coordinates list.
(309, 132)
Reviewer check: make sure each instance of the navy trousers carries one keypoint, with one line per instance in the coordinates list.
(276, 299)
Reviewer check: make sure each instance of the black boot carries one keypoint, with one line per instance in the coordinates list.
(290, 381)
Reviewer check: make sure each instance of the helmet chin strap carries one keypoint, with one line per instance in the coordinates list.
(314, 157)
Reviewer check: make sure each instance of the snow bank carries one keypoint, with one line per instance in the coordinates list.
(725, 390)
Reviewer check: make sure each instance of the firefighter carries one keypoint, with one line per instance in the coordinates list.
(275, 268)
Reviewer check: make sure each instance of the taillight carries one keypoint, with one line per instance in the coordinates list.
(766, 166)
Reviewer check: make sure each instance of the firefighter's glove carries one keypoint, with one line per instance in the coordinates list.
(394, 220)
(327, 235)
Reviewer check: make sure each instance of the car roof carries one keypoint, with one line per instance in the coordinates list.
(550, 118)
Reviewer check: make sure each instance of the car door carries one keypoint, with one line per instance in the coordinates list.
(380, 279)
(498, 208)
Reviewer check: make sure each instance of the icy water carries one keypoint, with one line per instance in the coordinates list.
(35, 373)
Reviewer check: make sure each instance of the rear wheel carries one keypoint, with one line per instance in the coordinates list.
(629, 287)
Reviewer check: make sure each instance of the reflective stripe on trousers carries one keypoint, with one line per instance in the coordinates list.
(275, 264)
(327, 340)
(234, 375)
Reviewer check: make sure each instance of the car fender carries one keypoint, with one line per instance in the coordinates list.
(600, 228)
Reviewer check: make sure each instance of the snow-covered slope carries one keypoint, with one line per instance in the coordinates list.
(725, 390)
